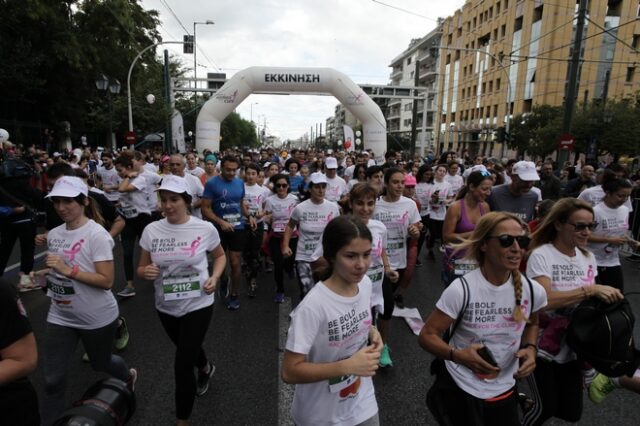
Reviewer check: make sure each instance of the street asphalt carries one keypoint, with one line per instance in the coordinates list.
(246, 348)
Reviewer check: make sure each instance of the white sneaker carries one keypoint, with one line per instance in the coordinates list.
(26, 284)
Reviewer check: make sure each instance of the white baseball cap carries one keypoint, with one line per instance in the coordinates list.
(318, 177)
(69, 186)
(331, 163)
(526, 170)
(173, 183)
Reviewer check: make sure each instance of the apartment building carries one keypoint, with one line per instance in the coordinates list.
(421, 57)
(499, 58)
(335, 125)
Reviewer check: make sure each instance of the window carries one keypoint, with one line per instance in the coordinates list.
(409, 60)
(497, 8)
(491, 86)
(497, 84)
(630, 72)
(537, 13)
(484, 88)
(517, 26)
(495, 110)
(413, 74)
(407, 122)
(503, 30)
(635, 43)
(408, 106)
(495, 33)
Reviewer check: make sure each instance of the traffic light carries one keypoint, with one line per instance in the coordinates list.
(187, 47)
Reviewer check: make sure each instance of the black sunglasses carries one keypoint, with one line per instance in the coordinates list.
(507, 240)
(282, 185)
(581, 226)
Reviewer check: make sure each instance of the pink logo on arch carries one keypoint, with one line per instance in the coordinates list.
(194, 246)
(75, 249)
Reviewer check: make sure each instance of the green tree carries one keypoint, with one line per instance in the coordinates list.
(237, 132)
(536, 133)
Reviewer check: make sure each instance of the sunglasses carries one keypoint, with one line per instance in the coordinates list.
(507, 240)
(282, 185)
(579, 227)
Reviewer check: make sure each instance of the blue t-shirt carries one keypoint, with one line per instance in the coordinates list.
(226, 198)
(295, 182)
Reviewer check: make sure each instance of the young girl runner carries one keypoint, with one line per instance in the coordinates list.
(332, 347)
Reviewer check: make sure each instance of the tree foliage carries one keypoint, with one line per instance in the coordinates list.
(536, 133)
(237, 132)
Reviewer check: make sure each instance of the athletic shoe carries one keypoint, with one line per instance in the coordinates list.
(385, 358)
(122, 334)
(26, 284)
(127, 292)
(399, 301)
(600, 388)
(133, 378)
(253, 287)
(234, 303)
(441, 248)
(203, 380)
(85, 357)
(279, 298)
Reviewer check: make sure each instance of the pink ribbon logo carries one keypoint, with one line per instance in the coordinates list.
(329, 217)
(590, 276)
(377, 250)
(404, 218)
(193, 248)
(75, 249)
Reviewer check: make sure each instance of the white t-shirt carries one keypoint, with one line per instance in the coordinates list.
(595, 194)
(348, 172)
(611, 223)
(537, 191)
(376, 268)
(352, 183)
(488, 318)
(255, 196)
(152, 180)
(336, 188)
(197, 172)
(280, 209)
(566, 273)
(397, 217)
(110, 179)
(181, 253)
(150, 167)
(196, 189)
(74, 304)
(438, 209)
(327, 327)
(456, 182)
(135, 202)
(422, 195)
(312, 219)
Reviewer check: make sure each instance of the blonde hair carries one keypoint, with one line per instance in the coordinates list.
(473, 247)
(560, 212)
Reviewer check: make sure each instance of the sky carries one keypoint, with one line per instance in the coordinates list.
(357, 37)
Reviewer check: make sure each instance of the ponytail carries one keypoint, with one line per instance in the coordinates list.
(518, 315)
(93, 211)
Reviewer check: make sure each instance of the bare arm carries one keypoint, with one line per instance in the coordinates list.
(288, 231)
(561, 299)
(101, 278)
(117, 226)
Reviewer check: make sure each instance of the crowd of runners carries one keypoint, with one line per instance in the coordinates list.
(521, 244)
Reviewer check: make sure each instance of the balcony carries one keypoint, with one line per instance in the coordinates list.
(396, 73)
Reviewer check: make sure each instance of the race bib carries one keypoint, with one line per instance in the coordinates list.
(60, 286)
(129, 212)
(376, 273)
(396, 245)
(338, 384)
(181, 287)
(279, 227)
(462, 266)
(232, 218)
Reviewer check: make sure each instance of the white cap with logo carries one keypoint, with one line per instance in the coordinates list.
(317, 178)
(526, 170)
(175, 184)
(331, 163)
(69, 186)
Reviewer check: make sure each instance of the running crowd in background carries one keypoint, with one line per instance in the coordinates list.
(521, 244)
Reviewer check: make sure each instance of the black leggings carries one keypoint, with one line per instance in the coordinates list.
(557, 392)
(280, 264)
(133, 228)
(435, 232)
(423, 233)
(612, 276)
(252, 251)
(187, 333)
(10, 232)
(388, 290)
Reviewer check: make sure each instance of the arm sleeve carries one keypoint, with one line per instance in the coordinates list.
(303, 330)
(537, 266)
(451, 299)
(101, 246)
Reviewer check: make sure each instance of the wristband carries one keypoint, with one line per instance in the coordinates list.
(74, 271)
(451, 351)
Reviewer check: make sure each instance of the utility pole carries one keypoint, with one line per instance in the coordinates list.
(414, 115)
(574, 65)
(167, 96)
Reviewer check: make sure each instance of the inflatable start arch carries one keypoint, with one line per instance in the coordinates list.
(268, 80)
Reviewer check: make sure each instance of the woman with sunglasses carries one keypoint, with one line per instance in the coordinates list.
(460, 221)
(173, 254)
(494, 342)
(612, 216)
(310, 218)
(277, 210)
(560, 262)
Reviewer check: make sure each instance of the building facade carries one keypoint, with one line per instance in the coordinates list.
(421, 58)
(499, 58)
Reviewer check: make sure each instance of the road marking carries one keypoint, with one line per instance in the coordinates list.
(15, 265)
(285, 391)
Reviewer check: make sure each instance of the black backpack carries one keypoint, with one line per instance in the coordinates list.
(602, 334)
(15, 168)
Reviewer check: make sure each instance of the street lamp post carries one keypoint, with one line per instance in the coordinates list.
(111, 87)
(195, 64)
(252, 104)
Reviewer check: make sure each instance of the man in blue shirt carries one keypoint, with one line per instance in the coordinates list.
(223, 204)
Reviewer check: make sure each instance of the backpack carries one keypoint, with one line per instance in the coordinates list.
(14, 168)
(602, 334)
